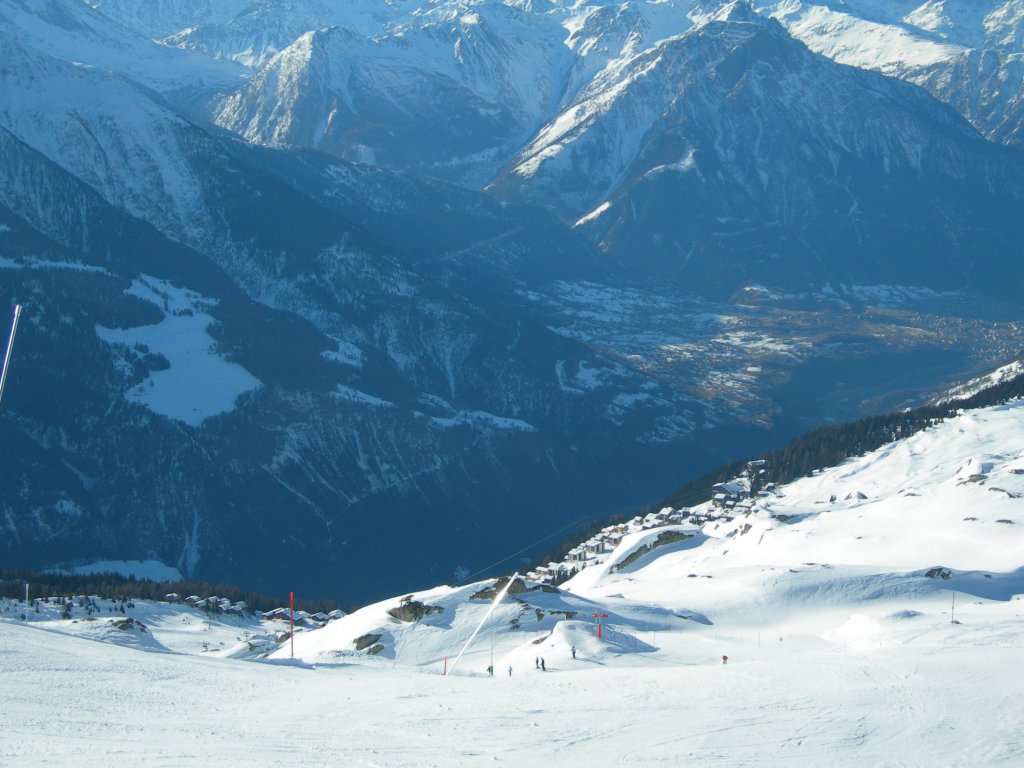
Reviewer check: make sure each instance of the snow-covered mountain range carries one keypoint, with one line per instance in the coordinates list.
(715, 153)
(872, 611)
(480, 269)
(967, 54)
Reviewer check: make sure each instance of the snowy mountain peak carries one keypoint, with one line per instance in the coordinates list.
(159, 19)
(75, 32)
(965, 53)
(737, 11)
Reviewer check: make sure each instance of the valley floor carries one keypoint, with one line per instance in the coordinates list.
(891, 689)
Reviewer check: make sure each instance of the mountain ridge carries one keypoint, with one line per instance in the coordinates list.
(381, 344)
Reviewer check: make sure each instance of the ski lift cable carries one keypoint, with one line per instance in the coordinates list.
(518, 552)
(572, 524)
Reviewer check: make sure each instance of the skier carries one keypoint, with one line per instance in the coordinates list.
(542, 667)
(510, 670)
(574, 651)
(536, 662)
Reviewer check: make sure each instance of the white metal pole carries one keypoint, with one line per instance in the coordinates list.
(10, 348)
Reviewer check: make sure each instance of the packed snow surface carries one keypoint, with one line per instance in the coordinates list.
(871, 614)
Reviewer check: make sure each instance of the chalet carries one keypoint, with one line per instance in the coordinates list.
(679, 515)
(727, 494)
(733, 489)
(595, 545)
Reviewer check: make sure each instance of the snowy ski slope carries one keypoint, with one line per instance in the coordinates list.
(840, 647)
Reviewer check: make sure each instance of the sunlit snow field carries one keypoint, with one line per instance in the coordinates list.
(842, 649)
(915, 691)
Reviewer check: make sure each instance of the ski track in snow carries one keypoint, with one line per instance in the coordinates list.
(74, 702)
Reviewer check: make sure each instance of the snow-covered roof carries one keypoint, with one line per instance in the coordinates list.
(732, 487)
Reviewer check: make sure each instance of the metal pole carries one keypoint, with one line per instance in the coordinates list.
(10, 348)
(494, 604)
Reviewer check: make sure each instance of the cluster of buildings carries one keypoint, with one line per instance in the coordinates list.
(212, 604)
(729, 499)
(596, 549)
(223, 605)
(738, 495)
(303, 618)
